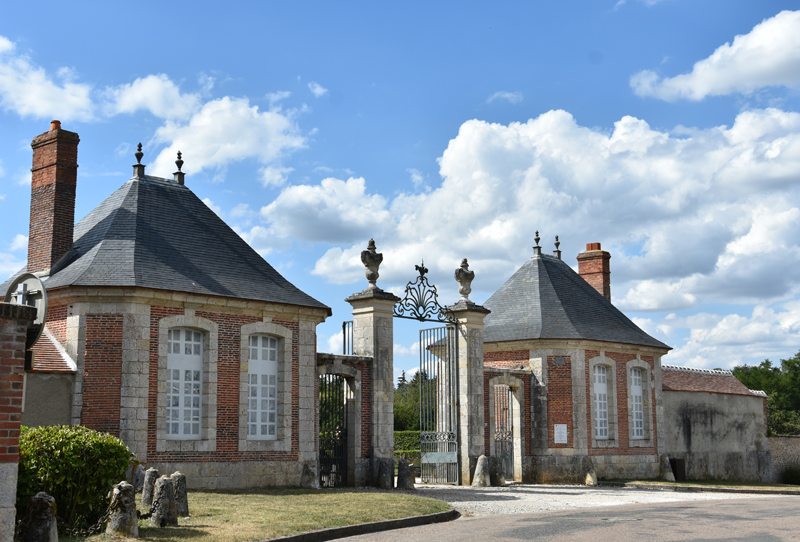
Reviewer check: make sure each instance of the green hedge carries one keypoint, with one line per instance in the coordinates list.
(75, 465)
(412, 456)
(406, 440)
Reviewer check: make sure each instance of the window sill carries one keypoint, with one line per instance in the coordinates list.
(640, 443)
(608, 443)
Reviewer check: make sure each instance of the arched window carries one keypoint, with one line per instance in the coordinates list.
(184, 384)
(637, 403)
(600, 402)
(262, 414)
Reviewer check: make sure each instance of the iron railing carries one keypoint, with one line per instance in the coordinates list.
(347, 338)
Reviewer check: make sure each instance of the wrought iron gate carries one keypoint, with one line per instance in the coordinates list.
(439, 405)
(504, 429)
(332, 431)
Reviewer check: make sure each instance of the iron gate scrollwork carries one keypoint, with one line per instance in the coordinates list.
(504, 429)
(439, 405)
(421, 301)
(332, 431)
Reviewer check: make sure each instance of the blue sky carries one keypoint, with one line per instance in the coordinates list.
(667, 130)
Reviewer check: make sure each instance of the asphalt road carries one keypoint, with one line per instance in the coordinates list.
(757, 519)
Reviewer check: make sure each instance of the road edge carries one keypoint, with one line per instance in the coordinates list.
(368, 528)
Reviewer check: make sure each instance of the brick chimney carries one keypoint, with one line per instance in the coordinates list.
(594, 268)
(54, 175)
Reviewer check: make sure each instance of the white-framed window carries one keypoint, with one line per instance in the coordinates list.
(184, 384)
(637, 400)
(600, 402)
(262, 396)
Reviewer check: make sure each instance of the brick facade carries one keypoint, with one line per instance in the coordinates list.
(559, 398)
(507, 359)
(102, 376)
(53, 182)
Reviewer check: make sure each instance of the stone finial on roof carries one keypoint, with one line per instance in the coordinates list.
(138, 167)
(179, 175)
(557, 252)
(372, 261)
(464, 277)
(537, 250)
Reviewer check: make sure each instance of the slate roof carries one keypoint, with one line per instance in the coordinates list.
(675, 378)
(156, 233)
(546, 299)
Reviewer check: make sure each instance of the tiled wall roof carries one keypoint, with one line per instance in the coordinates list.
(47, 357)
(690, 379)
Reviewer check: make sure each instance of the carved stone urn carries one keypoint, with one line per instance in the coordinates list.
(372, 261)
(464, 278)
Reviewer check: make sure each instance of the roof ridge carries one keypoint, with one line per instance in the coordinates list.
(760, 393)
(719, 372)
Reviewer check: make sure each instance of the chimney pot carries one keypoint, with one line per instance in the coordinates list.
(55, 125)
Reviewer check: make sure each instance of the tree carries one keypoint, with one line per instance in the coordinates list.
(782, 385)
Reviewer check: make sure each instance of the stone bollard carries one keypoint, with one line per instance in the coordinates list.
(386, 473)
(122, 519)
(310, 478)
(590, 476)
(666, 470)
(42, 526)
(165, 513)
(497, 477)
(137, 478)
(405, 477)
(150, 477)
(481, 478)
(181, 498)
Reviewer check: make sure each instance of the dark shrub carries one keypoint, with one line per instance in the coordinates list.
(76, 465)
(406, 440)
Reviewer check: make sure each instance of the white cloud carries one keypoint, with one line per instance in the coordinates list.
(512, 97)
(242, 210)
(216, 208)
(648, 3)
(767, 56)
(154, 93)
(29, 91)
(334, 211)
(406, 351)
(275, 97)
(275, 175)
(9, 264)
(335, 343)
(706, 216)
(20, 242)
(316, 89)
(417, 179)
(224, 131)
(2, 197)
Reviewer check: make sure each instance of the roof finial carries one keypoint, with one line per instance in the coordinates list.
(138, 167)
(557, 252)
(537, 250)
(179, 175)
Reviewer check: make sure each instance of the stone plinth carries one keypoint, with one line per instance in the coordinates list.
(373, 336)
(470, 381)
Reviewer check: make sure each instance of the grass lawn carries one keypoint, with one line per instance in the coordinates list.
(256, 514)
(714, 483)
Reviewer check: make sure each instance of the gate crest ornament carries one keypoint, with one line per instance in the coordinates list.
(421, 301)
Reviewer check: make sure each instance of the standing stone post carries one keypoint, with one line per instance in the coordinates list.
(150, 477)
(469, 332)
(14, 321)
(122, 519)
(42, 525)
(181, 496)
(373, 335)
(165, 513)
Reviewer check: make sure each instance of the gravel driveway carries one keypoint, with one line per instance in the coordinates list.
(527, 499)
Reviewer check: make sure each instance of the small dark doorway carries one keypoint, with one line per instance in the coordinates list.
(332, 431)
(504, 429)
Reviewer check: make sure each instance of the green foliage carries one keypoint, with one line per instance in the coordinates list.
(406, 440)
(412, 456)
(406, 403)
(76, 465)
(782, 385)
(791, 475)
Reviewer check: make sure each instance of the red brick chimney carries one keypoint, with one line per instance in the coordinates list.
(593, 267)
(54, 175)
